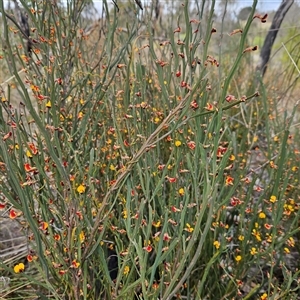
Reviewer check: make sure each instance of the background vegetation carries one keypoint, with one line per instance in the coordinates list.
(143, 156)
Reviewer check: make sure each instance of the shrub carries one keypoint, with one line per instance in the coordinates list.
(126, 162)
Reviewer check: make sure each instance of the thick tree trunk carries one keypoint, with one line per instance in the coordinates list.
(271, 36)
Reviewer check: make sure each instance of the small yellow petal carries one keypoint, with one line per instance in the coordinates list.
(262, 215)
(178, 143)
(126, 270)
(81, 189)
(181, 191)
(19, 268)
(238, 258)
(28, 154)
(217, 244)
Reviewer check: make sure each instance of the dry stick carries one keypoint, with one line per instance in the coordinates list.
(290, 57)
(6, 82)
(261, 166)
(271, 36)
(19, 27)
(151, 139)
